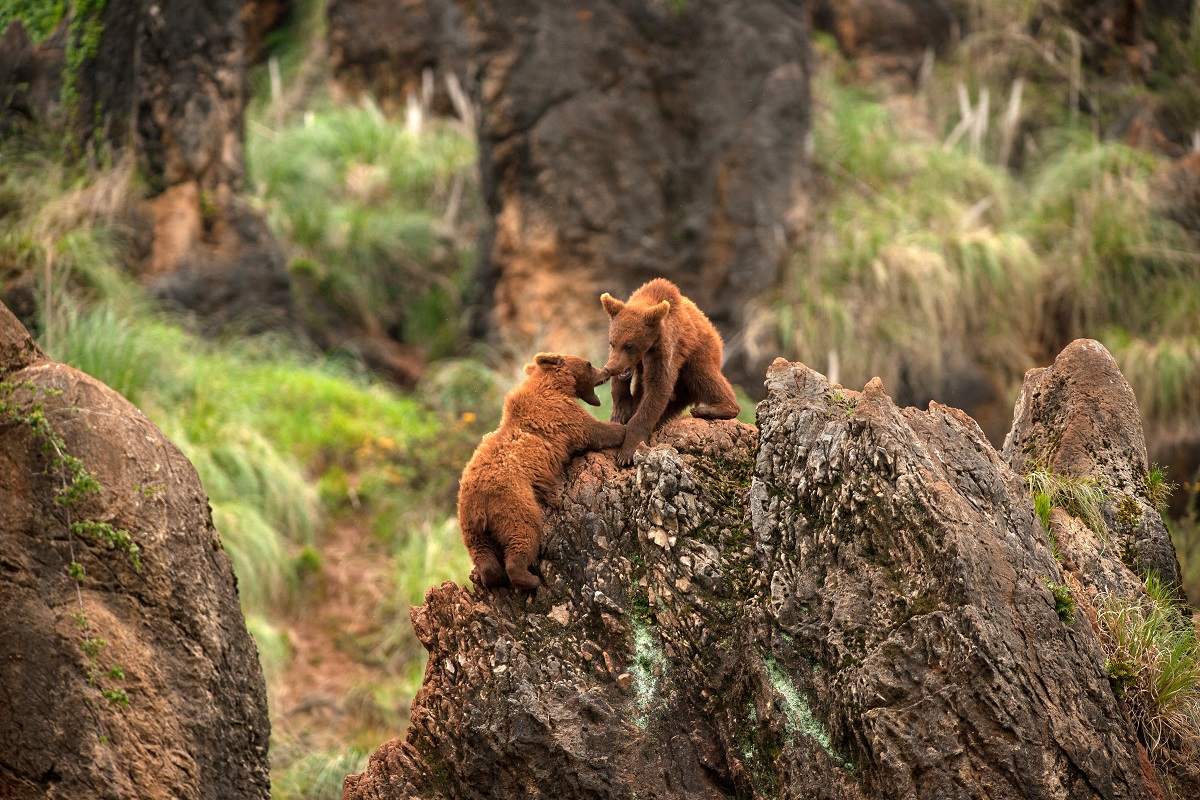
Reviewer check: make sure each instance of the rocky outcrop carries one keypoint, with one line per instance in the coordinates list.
(854, 600)
(889, 36)
(121, 682)
(167, 81)
(622, 141)
(1078, 418)
(29, 77)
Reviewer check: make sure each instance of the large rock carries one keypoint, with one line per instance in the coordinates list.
(30, 81)
(890, 36)
(1078, 418)
(196, 721)
(167, 81)
(623, 140)
(853, 603)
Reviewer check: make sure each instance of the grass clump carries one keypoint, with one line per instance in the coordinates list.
(1083, 498)
(317, 775)
(935, 259)
(1153, 660)
(368, 210)
(1064, 601)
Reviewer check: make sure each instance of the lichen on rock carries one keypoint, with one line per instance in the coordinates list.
(852, 600)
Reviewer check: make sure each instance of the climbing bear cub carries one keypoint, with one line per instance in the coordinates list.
(664, 355)
(522, 462)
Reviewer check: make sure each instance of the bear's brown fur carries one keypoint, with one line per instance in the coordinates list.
(522, 463)
(664, 355)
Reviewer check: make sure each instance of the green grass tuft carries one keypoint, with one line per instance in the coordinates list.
(1153, 659)
(1083, 498)
(317, 775)
(361, 201)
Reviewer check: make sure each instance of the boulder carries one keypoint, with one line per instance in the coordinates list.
(137, 679)
(890, 37)
(385, 48)
(853, 600)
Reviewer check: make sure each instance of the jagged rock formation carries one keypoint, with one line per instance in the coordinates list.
(1079, 418)
(852, 601)
(196, 721)
(624, 140)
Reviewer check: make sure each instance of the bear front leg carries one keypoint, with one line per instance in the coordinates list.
(624, 403)
(603, 435)
(657, 387)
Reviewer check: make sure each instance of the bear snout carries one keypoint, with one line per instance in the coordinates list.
(600, 376)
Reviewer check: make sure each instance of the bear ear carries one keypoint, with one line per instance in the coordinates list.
(548, 360)
(611, 304)
(529, 368)
(658, 312)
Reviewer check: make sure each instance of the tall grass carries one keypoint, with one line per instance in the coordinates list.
(931, 261)
(1154, 661)
(369, 210)
(1083, 498)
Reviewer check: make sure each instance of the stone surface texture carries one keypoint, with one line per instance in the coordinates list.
(196, 722)
(851, 601)
(621, 141)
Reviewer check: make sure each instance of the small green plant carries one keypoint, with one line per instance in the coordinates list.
(1064, 600)
(75, 483)
(1158, 488)
(1153, 659)
(1121, 673)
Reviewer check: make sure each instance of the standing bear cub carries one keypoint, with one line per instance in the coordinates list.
(522, 462)
(664, 355)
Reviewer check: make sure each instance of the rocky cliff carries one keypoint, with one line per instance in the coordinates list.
(852, 600)
(126, 667)
(165, 82)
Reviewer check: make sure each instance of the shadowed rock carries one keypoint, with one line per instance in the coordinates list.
(196, 720)
(852, 603)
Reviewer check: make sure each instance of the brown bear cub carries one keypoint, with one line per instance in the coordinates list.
(522, 462)
(664, 355)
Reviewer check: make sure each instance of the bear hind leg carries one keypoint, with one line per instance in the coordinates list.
(487, 566)
(714, 397)
(519, 529)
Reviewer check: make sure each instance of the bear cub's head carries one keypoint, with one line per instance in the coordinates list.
(573, 375)
(632, 330)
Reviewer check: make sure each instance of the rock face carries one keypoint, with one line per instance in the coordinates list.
(889, 36)
(196, 720)
(1079, 418)
(623, 140)
(853, 601)
(384, 47)
(167, 80)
